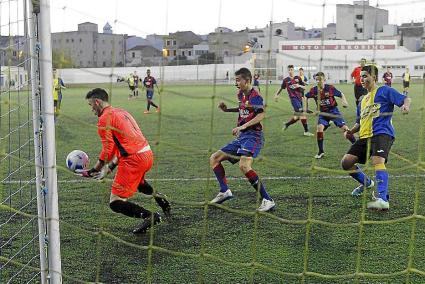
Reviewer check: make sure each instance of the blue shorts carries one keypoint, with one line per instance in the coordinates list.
(256, 83)
(248, 144)
(334, 116)
(297, 104)
(149, 95)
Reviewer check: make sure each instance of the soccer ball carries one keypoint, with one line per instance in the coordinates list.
(77, 160)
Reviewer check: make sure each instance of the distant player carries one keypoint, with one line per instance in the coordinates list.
(359, 91)
(136, 80)
(376, 134)
(295, 87)
(248, 143)
(58, 85)
(406, 81)
(123, 143)
(149, 83)
(305, 80)
(325, 95)
(388, 77)
(130, 82)
(256, 82)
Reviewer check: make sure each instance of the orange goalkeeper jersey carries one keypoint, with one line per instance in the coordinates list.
(120, 133)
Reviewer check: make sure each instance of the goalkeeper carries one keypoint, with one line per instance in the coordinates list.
(120, 134)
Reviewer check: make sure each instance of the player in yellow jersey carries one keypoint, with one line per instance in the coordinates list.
(58, 85)
(131, 85)
(406, 81)
(376, 134)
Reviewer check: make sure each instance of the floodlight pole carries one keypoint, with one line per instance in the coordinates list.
(49, 148)
(35, 97)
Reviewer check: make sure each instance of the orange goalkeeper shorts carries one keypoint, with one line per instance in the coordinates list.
(131, 172)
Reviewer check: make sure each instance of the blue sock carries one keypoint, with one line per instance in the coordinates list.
(256, 183)
(220, 174)
(360, 176)
(381, 177)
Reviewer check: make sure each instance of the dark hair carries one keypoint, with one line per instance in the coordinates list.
(290, 66)
(301, 69)
(98, 93)
(244, 73)
(371, 69)
(320, 73)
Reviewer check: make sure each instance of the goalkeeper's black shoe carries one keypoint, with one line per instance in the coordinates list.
(147, 223)
(167, 212)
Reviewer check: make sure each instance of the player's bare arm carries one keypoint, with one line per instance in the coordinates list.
(405, 108)
(224, 108)
(257, 119)
(276, 96)
(354, 129)
(344, 101)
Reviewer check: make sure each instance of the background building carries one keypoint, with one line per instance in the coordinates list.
(86, 47)
(143, 55)
(359, 21)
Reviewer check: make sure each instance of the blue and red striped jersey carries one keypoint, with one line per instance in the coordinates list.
(289, 84)
(249, 107)
(327, 97)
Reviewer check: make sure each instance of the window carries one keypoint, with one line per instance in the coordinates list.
(14, 53)
(168, 42)
(174, 42)
(190, 53)
(81, 40)
(359, 17)
(360, 30)
(174, 52)
(133, 54)
(183, 53)
(104, 63)
(72, 40)
(278, 32)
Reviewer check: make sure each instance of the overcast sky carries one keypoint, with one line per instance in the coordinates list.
(141, 17)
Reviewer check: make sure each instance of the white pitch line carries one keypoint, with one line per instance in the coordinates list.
(229, 178)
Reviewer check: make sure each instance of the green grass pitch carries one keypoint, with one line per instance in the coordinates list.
(316, 227)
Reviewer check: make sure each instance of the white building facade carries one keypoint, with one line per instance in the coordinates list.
(359, 21)
(337, 58)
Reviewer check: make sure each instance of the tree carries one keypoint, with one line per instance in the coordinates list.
(61, 60)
